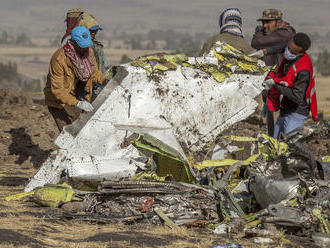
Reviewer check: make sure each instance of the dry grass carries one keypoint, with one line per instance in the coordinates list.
(323, 95)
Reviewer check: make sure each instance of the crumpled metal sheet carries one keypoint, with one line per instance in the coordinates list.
(174, 106)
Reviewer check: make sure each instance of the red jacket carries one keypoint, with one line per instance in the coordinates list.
(288, 80)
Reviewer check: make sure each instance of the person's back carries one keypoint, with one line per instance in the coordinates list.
(230, 23)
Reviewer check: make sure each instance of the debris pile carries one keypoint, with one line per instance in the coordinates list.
(150, 154)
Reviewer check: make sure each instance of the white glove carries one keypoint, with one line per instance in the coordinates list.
(257, 54)
(86, 106)
(268, 83)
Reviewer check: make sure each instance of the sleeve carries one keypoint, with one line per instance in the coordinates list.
(98, 77)
(279, 37)
(297, 93)
(276, 49)
(56, 72)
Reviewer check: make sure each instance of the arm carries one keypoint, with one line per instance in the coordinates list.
(98, 77)
(56, 72)
(279, 37)
(298, 91)
(275, 49)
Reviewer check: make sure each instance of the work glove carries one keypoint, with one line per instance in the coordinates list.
(257, 54)
(267, 84)
(86, 106)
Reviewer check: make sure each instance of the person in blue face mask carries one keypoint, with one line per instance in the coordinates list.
(294, 80)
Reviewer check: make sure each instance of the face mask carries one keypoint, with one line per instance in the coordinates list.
(288, 55)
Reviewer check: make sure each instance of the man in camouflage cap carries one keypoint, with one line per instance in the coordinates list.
(270, 40)
(272, 36)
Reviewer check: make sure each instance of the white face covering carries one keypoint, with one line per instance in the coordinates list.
(288, 55)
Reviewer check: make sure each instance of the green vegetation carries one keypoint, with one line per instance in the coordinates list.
(8, 71)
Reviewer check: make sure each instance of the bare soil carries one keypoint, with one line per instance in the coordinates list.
(27, 133)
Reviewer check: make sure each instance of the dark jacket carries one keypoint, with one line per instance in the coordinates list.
(294, 99)
(277, 40)
(235, 41)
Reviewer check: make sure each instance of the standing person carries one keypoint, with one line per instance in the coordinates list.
(71, 21)
(295, 82)
(230, 22)
(72, 72)
(87, 20)
(272, 37)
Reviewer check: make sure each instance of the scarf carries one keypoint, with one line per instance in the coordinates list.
(82, 65)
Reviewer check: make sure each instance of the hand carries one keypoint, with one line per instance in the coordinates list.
(86, 106)
(257, 54)
(260, 28)
(268, 83)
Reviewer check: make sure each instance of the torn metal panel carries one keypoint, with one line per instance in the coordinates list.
(180, 105)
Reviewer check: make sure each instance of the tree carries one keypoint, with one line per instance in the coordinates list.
(4, 37)
(323, 63)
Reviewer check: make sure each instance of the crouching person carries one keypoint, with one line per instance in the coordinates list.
(294, 80)
(72, 73)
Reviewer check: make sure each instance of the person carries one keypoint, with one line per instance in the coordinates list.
(71, 20)
(272, 37)
(230, 22)
(294, 80)
(87, 20)
(72, 71)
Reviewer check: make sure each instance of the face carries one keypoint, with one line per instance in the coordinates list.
(294, 49)
(79, 50)
(270, 25)
(93, 33)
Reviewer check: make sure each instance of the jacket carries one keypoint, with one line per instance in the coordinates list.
(295, 81)
(101, 59)
(279, 38)
(61, 82)
(235, 41)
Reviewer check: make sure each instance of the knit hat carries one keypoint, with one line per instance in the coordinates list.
(230, 21)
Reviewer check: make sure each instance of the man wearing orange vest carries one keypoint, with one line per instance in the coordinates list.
(294, 80)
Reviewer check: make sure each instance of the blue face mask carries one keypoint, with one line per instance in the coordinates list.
(288, 55)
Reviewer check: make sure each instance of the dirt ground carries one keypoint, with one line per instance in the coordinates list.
(27, 133)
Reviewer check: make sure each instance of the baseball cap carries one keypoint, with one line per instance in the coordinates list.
(81, 36)
(271, 14)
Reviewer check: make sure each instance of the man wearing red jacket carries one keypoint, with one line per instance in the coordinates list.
(294, 80)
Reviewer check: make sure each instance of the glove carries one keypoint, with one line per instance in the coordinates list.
(257, 54)
(268, 83)
(86, 106)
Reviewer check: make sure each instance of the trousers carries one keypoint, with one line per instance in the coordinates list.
(288, 123)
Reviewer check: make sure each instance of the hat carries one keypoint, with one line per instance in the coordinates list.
(271, 14)
(81, 36)
(230, 21)
(87, 20)
(74, 13)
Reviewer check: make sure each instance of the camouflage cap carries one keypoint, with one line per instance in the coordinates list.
(72, 13)
(271, 14)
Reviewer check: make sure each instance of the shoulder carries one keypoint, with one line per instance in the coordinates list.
(58, 56)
